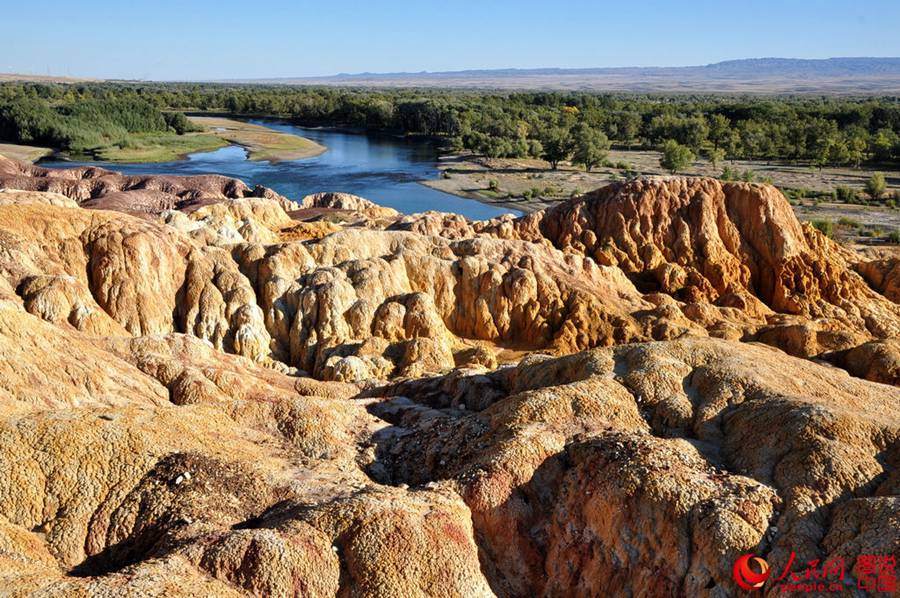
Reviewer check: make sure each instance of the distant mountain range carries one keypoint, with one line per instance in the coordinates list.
(761, 75)
(862, 76)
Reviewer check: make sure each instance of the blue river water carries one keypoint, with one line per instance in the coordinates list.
(385, 170)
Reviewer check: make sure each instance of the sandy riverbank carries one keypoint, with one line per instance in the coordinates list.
(262, 143)
(25, 153)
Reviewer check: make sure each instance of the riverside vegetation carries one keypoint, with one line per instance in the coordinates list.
(820, 151)
(554, 126)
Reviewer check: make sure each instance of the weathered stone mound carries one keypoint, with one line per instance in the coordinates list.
(143, 467)
(882, 272)
(352, 305)
(160, 437)
(418, 294)
(726, 244)
(164, 467)
(99, 188)
(647, 469)
(346, 201)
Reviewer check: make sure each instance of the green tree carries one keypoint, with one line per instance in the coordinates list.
(590, 146)
(179, 123)
(675, 156)
(857, 145)
(876, 186)
(556, 145)
(628, 127)
(719, 130)
(535, 148)
(715, 156)
(881, 145)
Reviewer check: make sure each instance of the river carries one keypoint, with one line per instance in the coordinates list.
(385, 170)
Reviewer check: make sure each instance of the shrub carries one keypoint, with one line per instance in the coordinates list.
(875, 186)
(729, 174)
(845, 194)
(675, 156)
(848, 222)
(179, 123)
(826, 227)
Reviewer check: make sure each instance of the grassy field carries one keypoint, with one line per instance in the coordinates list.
(262, 143)
(165, 147)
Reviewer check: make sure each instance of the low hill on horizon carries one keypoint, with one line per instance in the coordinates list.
(861, 75)
(847, 75)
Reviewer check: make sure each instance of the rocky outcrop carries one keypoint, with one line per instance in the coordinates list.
(646, 468)
(347, 202)
(613, 397)
(726, 244)
(874, 360)
(98, 188)
(882, 272)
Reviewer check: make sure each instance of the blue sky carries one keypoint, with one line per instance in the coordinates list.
(201, 39)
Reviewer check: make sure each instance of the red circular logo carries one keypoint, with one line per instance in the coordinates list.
(745, 576)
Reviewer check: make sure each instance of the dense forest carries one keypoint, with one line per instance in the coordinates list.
(78, 120)
(555, 126)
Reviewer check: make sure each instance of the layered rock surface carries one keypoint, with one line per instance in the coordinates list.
(246, 396)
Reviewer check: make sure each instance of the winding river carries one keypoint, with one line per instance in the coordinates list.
(385, 170)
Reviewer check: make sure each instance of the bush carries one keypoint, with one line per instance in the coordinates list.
(826, 227)
(845, 194)
(179, 123)
(675, 156)
(876, 186)
(893, 237)
(848, 222)
(729, 174)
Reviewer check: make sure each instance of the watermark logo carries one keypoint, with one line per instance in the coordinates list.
(872, 573)
(744, 575)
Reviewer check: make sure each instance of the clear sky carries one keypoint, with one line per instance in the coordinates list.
(205, 39)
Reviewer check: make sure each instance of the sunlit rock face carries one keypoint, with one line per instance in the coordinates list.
(231, 394)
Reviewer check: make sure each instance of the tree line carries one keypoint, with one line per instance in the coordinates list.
(81, 123)
(556, 126)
